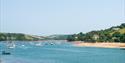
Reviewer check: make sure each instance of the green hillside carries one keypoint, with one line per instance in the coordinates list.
(113, 34)
(121, 31)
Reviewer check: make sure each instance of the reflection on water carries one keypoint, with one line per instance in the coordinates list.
(60, 52)
(122, 48)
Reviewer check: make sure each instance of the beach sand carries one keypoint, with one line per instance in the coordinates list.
(104, 44)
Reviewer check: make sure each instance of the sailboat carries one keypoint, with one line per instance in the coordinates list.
(9, 44)
(6, 51)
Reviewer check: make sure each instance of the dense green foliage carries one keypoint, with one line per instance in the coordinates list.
(16, 36)
(113, 34)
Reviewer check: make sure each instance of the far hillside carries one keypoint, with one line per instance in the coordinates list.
(19, 37)
(57, 37)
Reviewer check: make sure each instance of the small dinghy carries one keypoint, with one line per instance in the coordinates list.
(5, 53)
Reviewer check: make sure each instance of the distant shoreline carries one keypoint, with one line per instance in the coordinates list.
(103, 45)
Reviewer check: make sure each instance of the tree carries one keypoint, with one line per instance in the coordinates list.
(116, 36)
(71, 38)
(122, 38)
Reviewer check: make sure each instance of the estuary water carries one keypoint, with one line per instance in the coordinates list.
(59, 52)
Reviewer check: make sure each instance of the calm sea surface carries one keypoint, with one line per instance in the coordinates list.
(60, 52)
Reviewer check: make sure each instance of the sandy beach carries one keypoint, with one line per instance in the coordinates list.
(104, 44)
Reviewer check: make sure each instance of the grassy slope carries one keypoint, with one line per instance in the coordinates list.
(122, 31)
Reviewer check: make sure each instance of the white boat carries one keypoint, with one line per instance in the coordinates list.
(39, 44)
(23, 45)
(11, 44)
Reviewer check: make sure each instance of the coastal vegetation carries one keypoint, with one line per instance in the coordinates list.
(113, 34)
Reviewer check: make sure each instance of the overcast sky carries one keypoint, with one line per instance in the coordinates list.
(47, 17)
